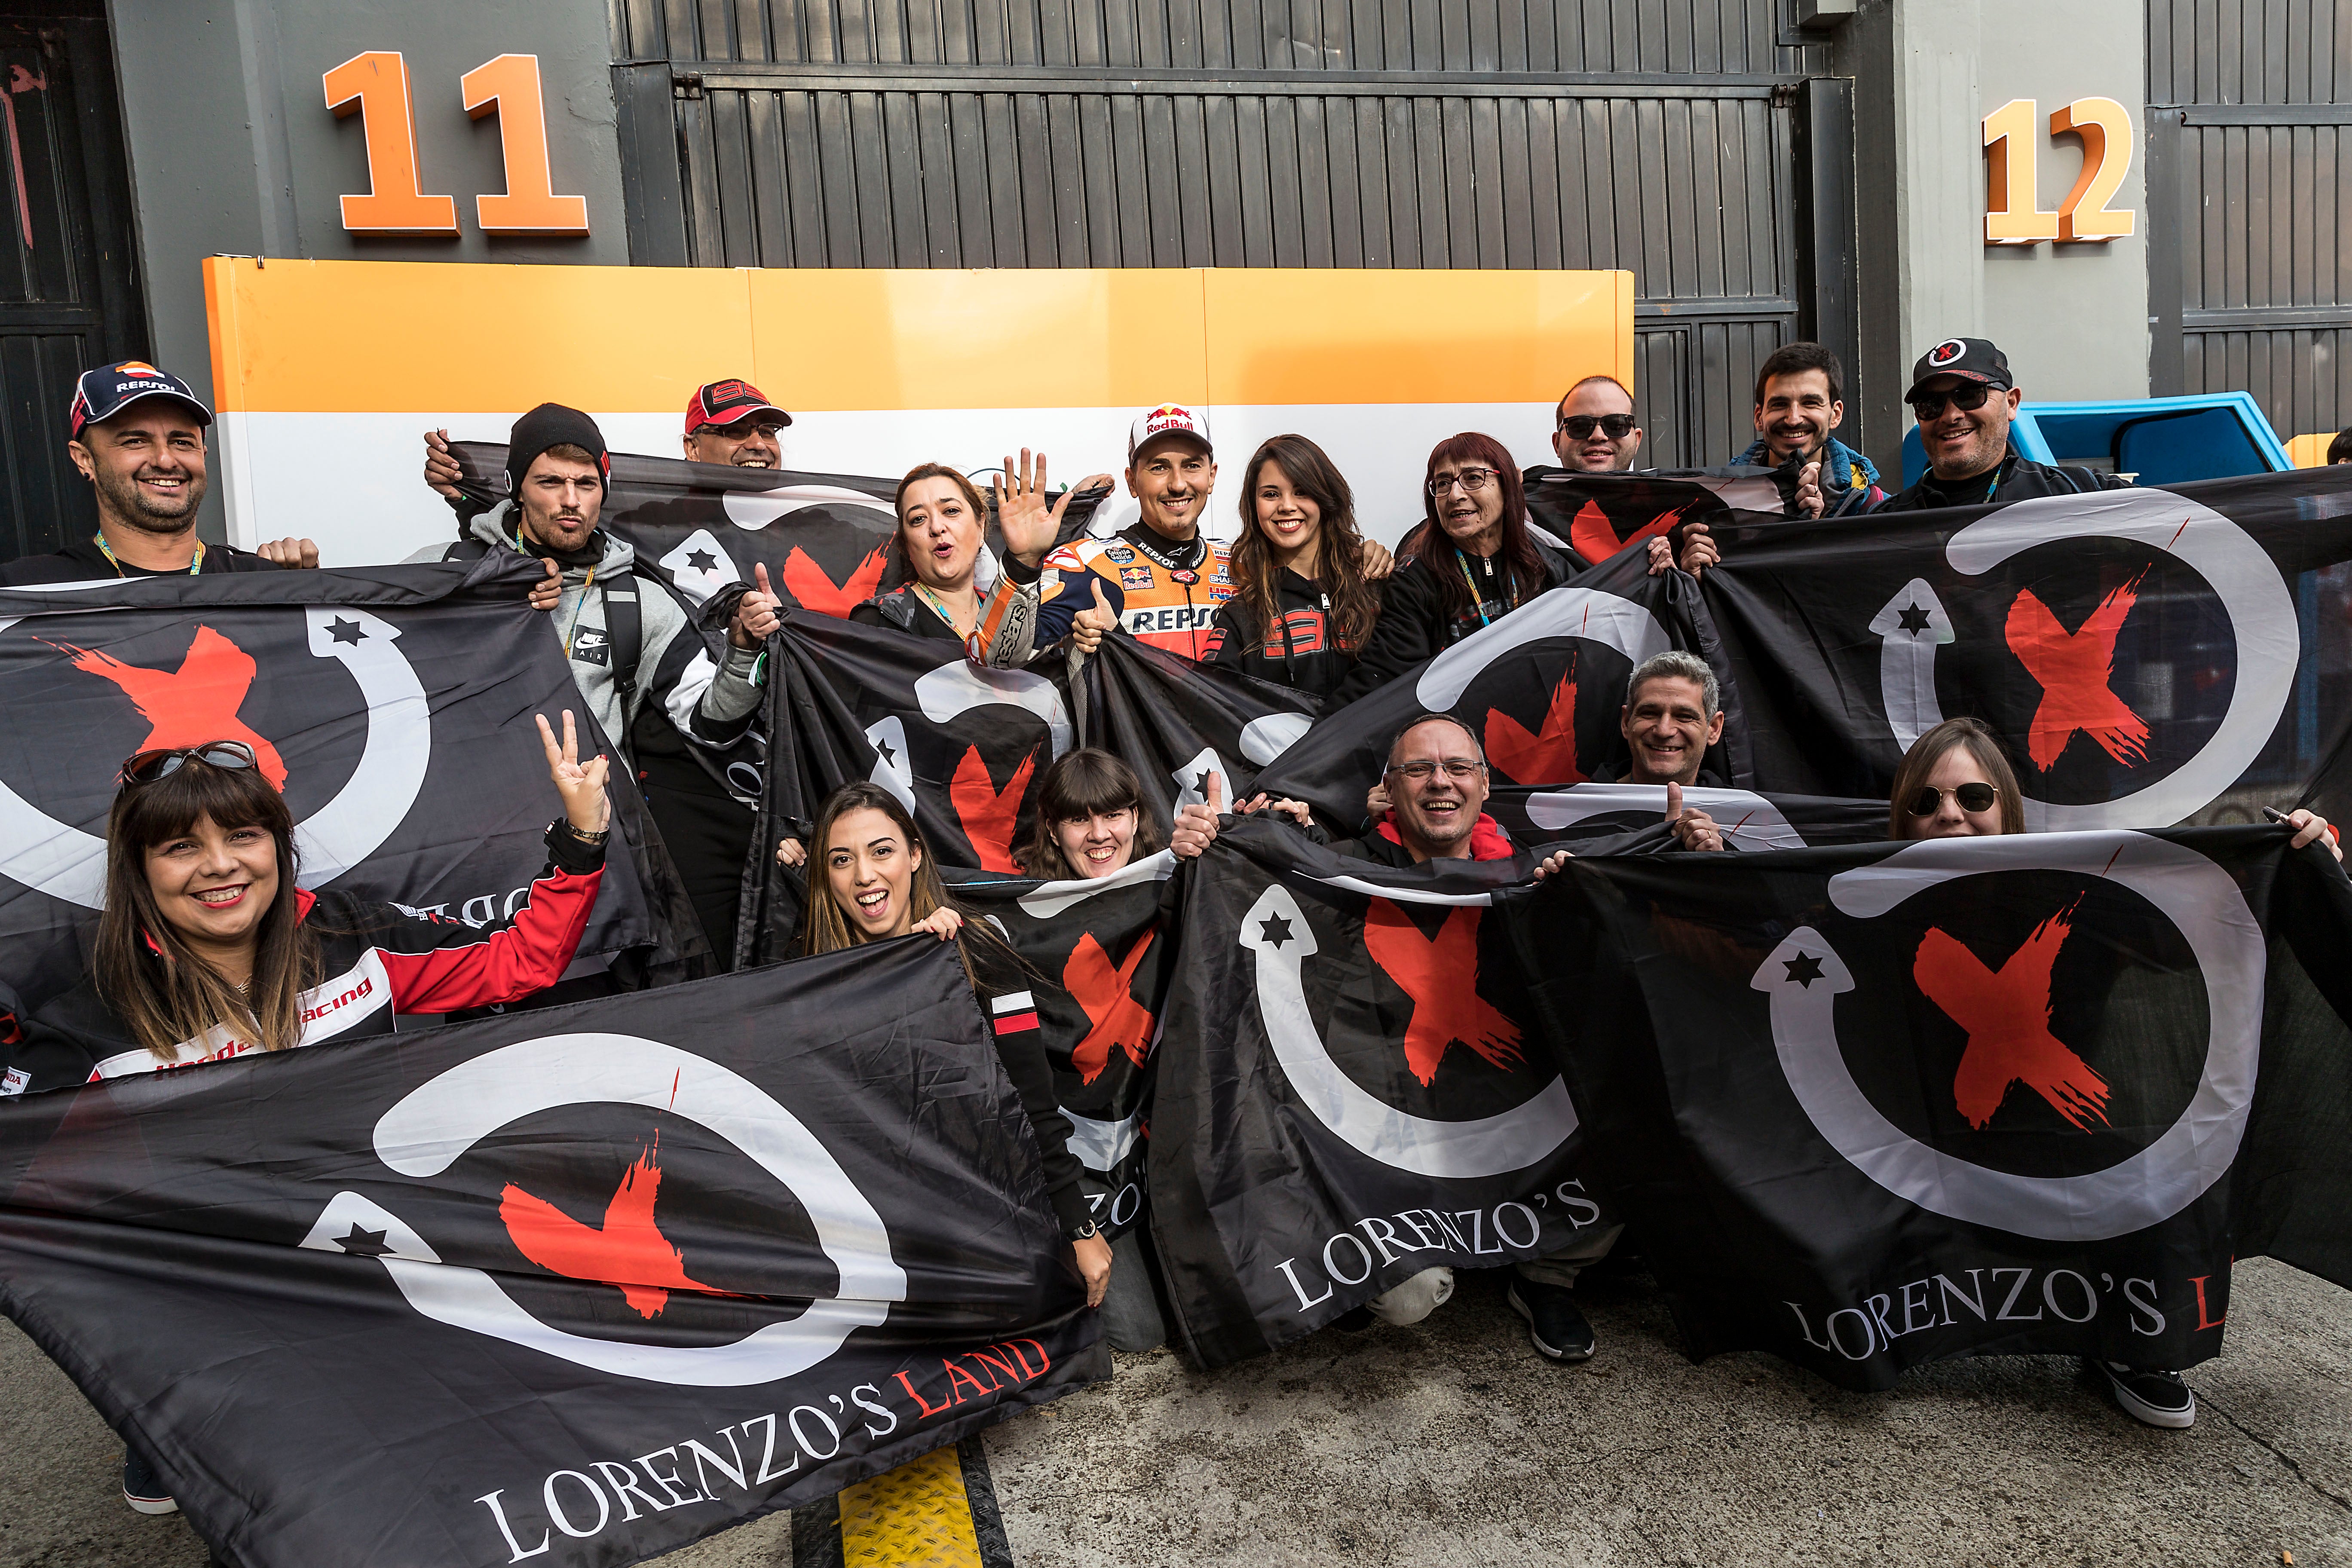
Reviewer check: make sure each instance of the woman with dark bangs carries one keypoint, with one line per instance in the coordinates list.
(1471, 561)
(1093, 820)
(1306, 583)
(207, 948)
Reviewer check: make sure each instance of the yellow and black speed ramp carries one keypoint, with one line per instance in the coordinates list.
(937, 1511)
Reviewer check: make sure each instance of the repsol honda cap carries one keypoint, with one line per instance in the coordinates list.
(1169, 419)
(1970, 358)
(727, 402)
(104, 392)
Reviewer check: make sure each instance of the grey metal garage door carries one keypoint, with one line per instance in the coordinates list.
(1660, 136)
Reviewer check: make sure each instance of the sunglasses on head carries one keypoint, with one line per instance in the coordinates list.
(1971, 796)
(146, 767)
(1579, 426)
(1966, 398)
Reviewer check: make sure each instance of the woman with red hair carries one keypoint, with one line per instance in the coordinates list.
(1471, 561)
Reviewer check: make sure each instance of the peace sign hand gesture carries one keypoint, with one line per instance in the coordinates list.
(581, 785)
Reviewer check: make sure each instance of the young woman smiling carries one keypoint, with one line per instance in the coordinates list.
(208, 949)
(942, 525)
(875, 881)
(1305, 587)
(1471, 561)
(1093, 820)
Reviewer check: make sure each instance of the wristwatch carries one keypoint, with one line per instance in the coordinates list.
(1085, 1232)
(564, 825)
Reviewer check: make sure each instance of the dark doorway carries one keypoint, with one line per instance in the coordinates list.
(69, 295)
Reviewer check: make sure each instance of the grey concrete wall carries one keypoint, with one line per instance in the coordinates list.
(2071, 318)
(233, 150)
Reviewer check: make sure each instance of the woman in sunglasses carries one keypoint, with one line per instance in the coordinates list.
(1956, 783)
(1471, 560)
(208, 949)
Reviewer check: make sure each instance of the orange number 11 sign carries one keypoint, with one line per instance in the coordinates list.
(375, 85)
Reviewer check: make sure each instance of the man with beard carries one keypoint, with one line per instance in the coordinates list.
(1964, 397)
(1799, 399)
(1162, 578)
(636, 654)
(727, 422)
(138, 437)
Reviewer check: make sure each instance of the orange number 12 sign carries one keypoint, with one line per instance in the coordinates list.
(509, 87)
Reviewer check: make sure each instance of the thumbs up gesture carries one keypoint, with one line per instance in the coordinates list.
(1087, 627)
(757, 612)
(1694, 827)
(1196, 826)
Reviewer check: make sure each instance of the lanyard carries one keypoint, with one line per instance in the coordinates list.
(1478, 600)
(579, 609)
(99, 538)
(983, 625)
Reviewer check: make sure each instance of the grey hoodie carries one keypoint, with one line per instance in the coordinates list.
(711, 701)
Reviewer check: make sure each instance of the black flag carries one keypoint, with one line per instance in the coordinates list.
(1872, 1107)
(1543, 687)
(1179, 723)
(2146, 656)
(959, 745)
(1346, 1095)
(1101, 954)
(1598, 515)
(391, 705)
(571, 1287)
(823, 538)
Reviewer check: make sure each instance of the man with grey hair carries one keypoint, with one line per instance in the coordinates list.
(1673, 713)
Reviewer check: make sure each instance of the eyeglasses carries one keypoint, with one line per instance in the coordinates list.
(1421, 772)
(1971, 796)
(743, 428)
(1470, 479)
(146, 767)
(1968, 399)
(1579, 426)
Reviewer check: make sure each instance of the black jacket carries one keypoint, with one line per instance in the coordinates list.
(2017, 478)
(1302, 652)
(1414, 624)
(378, 960)
(1003, 984)
(84, 562)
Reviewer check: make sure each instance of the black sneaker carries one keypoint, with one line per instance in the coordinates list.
(2158, 1398)
(142, 1488)
(1556, 1329)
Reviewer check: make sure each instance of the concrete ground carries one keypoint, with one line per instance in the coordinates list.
(1450, 1444)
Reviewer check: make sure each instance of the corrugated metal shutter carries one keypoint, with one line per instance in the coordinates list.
(2250, 176)
(1376, 134)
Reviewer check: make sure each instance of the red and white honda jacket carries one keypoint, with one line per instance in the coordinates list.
(379, 960)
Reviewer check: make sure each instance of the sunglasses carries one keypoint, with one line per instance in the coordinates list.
(1968, 399)
(743, 428)
(146, 767)
(1579, 426)
(1971, 796)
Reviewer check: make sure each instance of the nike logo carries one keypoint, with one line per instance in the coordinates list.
(811, 589)
(1115, 1017)
(2006, 1013)
(628, 1251)
(1441, 975)
(2074, 669)
(194, 704)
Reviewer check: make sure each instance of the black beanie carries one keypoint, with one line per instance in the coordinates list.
(552, 424)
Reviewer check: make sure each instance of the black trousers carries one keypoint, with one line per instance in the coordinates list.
(709, 835)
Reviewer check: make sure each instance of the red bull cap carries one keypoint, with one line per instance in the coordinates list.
(1169, 419)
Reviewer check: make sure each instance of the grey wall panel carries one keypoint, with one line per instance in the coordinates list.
(2251, 117)
(1704, 37)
